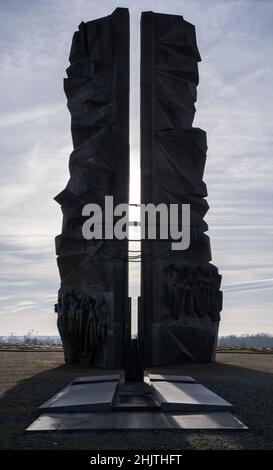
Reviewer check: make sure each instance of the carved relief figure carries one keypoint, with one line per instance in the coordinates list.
(192, 290)
(82, 322)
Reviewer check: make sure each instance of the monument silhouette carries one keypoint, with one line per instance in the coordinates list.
(180, 303)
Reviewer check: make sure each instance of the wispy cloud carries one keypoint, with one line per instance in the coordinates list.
(30, 115)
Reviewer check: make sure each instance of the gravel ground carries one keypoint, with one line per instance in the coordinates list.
(27, 379)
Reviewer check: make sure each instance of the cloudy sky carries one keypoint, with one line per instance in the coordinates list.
(235, 98)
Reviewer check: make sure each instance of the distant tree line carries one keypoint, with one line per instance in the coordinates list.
(259, 340)
(30, 338)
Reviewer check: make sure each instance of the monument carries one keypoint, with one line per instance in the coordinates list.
(180, 300)
(93, 298)
(180, 292)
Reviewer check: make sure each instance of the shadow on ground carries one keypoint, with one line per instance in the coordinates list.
(29, 378)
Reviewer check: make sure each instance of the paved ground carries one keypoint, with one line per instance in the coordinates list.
(27, 379)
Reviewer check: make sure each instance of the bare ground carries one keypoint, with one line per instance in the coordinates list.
(27, 379)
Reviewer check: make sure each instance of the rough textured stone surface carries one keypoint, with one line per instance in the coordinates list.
(93, 298)
(181, 297)
(180, 289)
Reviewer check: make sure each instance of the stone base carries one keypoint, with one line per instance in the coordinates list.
(160, 402)
(175, 396)
(135, 420)
(84, 394)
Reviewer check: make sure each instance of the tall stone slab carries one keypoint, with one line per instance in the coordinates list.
(93, 297)
(181, 300)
